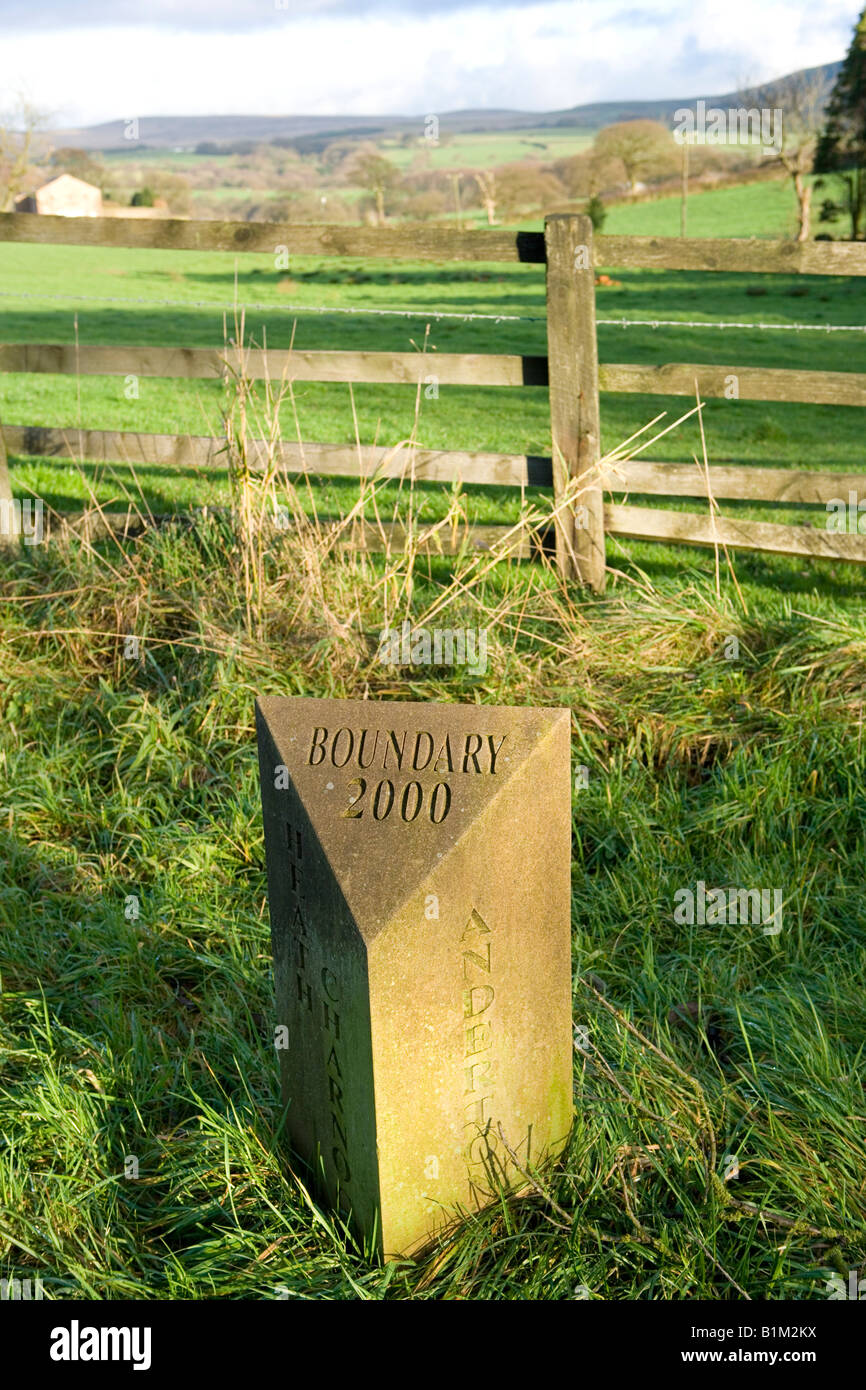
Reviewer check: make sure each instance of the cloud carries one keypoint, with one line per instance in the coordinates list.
(330, 57)
(218, 16)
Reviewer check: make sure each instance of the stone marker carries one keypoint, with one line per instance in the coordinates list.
(419, 886)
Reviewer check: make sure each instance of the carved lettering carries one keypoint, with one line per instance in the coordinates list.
(406, 801)
(444, 752)
(318, 747)
(346, 747)
(494, 752)
(349, 746)
(298, 923)
(333, 1078)
(361, 743)
(474, 1111)
(415, 756)
(396, 748)
(471, 752)
(477, 1000)
(481, 1147)
(338, 1132)
(474, 958)
(477, 1038)
(478, 1073)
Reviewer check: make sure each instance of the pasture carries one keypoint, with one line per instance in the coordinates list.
(142, 298)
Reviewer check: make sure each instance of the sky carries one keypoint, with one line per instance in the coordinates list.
(86, 61)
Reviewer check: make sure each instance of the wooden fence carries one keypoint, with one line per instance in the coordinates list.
(570, 371)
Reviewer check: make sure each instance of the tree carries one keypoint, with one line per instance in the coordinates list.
(526, 188)
(596, 212)
(646, 148)
(423, 205)
(18, 129)
(842, 146)
(163, 190)
(802, 99)
(487, 190)
(378, 176)
(338, 153)
(586, 174)
(302, 205)
(173, 189)
(70, 160)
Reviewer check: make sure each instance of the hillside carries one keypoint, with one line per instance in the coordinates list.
(172, 132)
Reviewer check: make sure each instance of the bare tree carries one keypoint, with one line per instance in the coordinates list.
(18, 129)
(487, 189)
(378, 176)
(527, 187)
(588, 174)
(802, 98)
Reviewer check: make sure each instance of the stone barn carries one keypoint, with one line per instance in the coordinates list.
(63, 196)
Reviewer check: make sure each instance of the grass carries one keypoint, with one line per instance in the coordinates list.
(485, 151)
(772, 212)
(137, 1004)
(717, 1149)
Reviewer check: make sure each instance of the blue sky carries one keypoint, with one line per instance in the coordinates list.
(115, 59)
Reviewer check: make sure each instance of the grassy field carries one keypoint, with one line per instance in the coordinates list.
(765, 209)
(485, 151)
(717, 1151)
(154, 297)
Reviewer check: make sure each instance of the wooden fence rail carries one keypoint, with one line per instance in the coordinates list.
(738, 255)
(730, 482)
(447, 368)
(570, 371)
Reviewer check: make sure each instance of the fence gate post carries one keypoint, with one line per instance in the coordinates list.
(572, 355)
(8, 518)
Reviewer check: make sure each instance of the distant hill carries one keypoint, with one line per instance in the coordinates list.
(312, 132)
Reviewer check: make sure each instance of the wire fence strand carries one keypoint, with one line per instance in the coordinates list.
(620, 322)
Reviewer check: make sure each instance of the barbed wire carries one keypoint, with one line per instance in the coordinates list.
(724, 323)
(434, 313)
(269, 308)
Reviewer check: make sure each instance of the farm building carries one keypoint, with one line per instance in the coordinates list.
(63, 196)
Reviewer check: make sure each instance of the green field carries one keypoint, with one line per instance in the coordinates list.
(717, 1152)
(155, 297)
(484, 151)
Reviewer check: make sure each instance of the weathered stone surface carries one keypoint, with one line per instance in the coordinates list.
(419, 887)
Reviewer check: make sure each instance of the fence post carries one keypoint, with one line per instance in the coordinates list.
(8, 519)
(572, 355)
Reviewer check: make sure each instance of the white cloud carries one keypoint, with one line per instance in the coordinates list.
(414, 58)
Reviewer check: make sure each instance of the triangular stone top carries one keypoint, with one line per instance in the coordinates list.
(389, 788)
